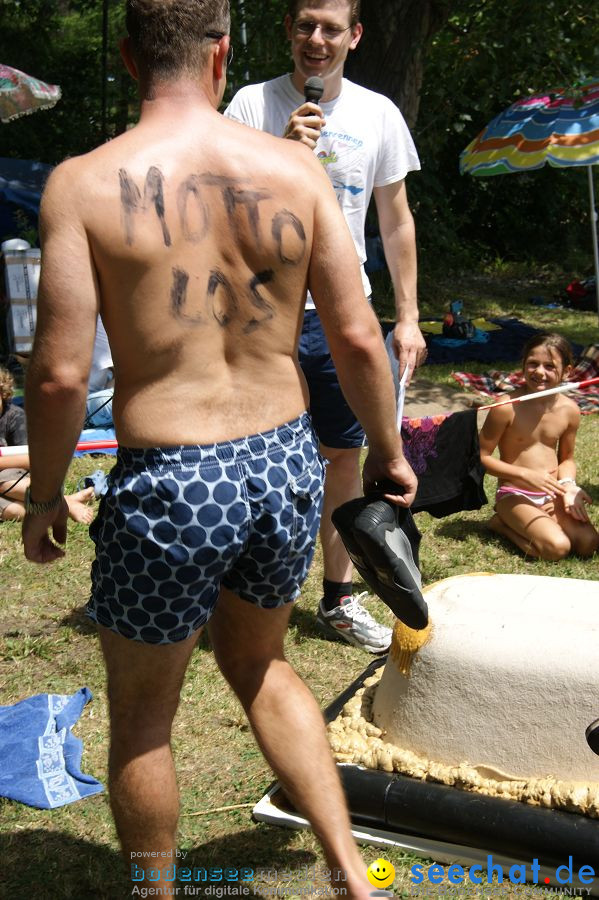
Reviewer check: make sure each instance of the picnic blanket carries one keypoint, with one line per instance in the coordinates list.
(506, 342)
(40, 756)
(494, 382)
(97, 434)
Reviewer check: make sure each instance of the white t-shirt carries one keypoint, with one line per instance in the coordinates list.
(101, 367)
(364, 144)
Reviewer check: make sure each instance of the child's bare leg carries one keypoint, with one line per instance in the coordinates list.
(583, 536)
(497, 525)
(532, 528)
(77, 503)
(78, 509)
(12, 512)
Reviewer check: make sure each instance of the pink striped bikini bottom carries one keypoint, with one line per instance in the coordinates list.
(539, 498)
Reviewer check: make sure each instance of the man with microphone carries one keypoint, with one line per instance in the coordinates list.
(364, 145)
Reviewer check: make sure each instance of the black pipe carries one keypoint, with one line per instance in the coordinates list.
(398, 803)
(513, 829)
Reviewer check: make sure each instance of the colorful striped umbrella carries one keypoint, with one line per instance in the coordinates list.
(558, 127)
(21, 94)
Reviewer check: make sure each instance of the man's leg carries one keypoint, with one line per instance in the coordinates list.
(144, 682)
(343, 482)
(288, 725)
(340, 614)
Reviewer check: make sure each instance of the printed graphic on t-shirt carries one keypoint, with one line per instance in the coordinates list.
(342, 157)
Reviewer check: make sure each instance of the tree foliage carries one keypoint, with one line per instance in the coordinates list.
(489, 54)
(62, 43)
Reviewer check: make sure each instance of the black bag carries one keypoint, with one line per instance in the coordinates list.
(456, 325)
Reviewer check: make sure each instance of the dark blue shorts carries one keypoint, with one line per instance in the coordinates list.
(334, 422)
(177, 523)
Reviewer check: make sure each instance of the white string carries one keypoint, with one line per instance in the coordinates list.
(401, 396)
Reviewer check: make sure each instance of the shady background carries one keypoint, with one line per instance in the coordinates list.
(451, 65)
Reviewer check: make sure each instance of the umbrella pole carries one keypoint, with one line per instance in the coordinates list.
(594, 230)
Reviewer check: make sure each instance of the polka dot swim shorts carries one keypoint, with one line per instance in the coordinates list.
(177, 523)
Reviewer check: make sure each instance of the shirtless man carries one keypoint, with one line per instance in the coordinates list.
(196, 239)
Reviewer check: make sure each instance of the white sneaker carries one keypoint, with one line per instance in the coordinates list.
(352, 623)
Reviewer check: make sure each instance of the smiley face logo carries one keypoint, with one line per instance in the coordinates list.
(381, 873)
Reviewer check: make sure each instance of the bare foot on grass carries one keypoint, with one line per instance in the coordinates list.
(79, 511)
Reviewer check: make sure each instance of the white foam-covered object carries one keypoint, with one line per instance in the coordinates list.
(509, 677)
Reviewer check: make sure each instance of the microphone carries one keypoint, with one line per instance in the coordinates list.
(313, 89)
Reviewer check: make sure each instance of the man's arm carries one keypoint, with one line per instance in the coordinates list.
(355, 340)
(56, 385)
(399, 241)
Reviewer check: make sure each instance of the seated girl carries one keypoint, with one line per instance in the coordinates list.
(539, 506)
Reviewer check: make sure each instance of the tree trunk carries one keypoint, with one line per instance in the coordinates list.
(389, 58)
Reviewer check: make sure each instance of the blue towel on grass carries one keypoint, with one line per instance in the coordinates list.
(97, 434)
(39, 756)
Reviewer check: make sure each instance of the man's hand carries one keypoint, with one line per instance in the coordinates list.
(305, 124)
(398, 470)
(409, 347)
(37, 544)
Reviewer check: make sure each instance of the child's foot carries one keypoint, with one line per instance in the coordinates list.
(78, 509)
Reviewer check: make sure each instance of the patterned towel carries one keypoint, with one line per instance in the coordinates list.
(40, 755)
(493, 382)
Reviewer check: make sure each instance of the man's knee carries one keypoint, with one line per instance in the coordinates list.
(341, 461)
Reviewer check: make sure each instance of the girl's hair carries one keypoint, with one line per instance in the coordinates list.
(7, 385)
(554, 342)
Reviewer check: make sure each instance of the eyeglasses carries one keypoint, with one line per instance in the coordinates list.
(329, 32)
(216, 36)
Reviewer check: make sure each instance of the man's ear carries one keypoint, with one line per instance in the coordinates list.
(357, 31)
(219, 58)
(127, 57)
(288, 26)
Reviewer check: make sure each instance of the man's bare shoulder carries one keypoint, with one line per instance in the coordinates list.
(70, 178)
(62, 189)
(297, 159)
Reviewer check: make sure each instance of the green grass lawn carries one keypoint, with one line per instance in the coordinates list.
(46, 645)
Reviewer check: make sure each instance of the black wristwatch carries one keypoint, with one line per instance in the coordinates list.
(41, 509)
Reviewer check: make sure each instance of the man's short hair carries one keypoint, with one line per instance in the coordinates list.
(168, 36)
(354, 5)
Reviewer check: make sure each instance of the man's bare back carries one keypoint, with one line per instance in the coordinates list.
(202, 265)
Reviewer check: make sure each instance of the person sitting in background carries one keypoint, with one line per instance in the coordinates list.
(14, 470)
(100, 387)
(539, 506)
